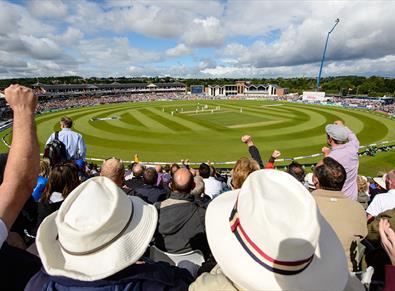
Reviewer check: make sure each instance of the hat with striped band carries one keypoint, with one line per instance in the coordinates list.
(269, 235)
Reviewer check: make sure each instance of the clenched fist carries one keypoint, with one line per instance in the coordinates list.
(20, 98)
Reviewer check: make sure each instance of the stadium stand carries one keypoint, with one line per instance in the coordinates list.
(111, 229)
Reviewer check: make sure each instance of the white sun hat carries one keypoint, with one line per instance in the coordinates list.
(270, 235)
(97, 231)
(381, 181)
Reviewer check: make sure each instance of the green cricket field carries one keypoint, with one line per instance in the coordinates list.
(201, 130)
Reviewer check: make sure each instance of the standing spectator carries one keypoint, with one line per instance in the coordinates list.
(346, 216)
(384, 201)
(74, 142)
(243, 167)
(20, 177)
(212, 187)
(344, 149)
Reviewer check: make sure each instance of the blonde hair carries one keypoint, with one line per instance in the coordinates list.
(44, 168)
(362, 183)
(244, 166)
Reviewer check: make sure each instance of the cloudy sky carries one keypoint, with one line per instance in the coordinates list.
(195, 38)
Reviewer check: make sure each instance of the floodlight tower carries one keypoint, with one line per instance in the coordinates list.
(323, 55)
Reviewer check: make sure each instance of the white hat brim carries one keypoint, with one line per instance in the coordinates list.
(380, 181)
(327, 271)
(123, 252)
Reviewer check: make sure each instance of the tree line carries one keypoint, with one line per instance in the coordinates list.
(342, 85)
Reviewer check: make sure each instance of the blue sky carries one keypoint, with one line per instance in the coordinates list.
(195, 38)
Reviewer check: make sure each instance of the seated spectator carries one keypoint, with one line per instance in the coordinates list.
(83, 249)
(61, 181)
(129, 172)
(149, 192)
(42, 180)
(243, 167)
(308, 182)
(387, 236)
(198, 192)
(181, 226)
(137, 180)
(296, 170)
(375, 254)
(384, 201)
(173, 168)
(83, 176)
(159, 170)
(347, 217)
(212, 187)
(113, 169)
(363, 191)
(166, 175)
(269, 235)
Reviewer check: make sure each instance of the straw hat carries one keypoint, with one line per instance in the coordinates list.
(98, 231)
(270, 235)
(381, 181)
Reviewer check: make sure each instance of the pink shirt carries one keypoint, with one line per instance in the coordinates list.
(347, 156)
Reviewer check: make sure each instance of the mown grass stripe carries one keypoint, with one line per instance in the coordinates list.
(179, 118)
(149, 122)
(169, 122)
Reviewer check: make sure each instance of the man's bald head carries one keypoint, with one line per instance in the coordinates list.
(158, 168)
(390, 180)
(114, 169)
(138, 170)
(183, 181)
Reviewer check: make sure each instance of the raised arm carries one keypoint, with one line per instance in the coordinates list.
(22, 167)
(253, 150)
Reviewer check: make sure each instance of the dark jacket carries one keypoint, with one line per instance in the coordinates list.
(17, 266)
(44, 209)
(181, 226)
(151, 193)
(134, 183)
(389, 278)
(137, 277)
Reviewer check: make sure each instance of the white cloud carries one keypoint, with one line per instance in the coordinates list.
(47, 8)
(179, 50)
(205, 32)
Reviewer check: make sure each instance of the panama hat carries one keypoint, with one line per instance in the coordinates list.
(337, 132)
(97, 231)
(381, 181)
(270, 235)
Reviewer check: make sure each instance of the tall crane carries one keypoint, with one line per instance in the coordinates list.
(323, 55)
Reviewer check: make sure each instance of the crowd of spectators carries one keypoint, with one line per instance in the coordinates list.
(79, 226)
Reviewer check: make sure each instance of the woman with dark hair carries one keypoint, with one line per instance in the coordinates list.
(62, 180)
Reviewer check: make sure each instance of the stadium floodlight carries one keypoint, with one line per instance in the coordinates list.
(323, 55)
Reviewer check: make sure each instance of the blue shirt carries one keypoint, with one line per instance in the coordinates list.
(38, 190)
(73, 141)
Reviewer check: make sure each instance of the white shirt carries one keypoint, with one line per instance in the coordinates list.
(3, 232)
(212, 187)
(381, 203)
(73, 141)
